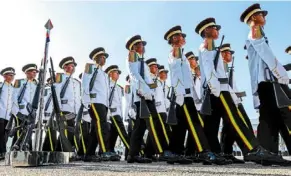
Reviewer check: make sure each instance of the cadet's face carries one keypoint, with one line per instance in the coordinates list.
(114, 75)
(179, 40)
(154, 69)
(259, 19)
(193, 63)
(212, 32)
(163, 75)
(9, 77)
(227, 56)
(101, 60)
(69, 68)
(31, 74)
(139, 48)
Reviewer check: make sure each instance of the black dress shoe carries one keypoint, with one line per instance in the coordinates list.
(138, 159)
(2, 156)
(209, 158)
(260, 155)
(91, 158)
(173, 158)
(233, 159)
(221, 157)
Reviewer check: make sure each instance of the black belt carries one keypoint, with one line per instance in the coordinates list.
(86, 112)
(223, 80)
(93, 95)
(188, 91)
(47, 114)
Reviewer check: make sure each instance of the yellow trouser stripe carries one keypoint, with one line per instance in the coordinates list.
(236, 127)
(289, 107)
(132, 123)
(82, 139)
(289, 132)
(164, 128)
(50, 138)
(76, 143)
(155, 134)
(120, 133)
(242, 117)
(99, 133)
(192, 128)
(65, 124)
(17, 123)
(201, 120)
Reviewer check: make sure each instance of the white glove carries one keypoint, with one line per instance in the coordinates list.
(148, 96)
(283, 80)
(180, 99)
(215, 91)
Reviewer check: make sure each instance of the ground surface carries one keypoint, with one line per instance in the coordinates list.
(155, 169)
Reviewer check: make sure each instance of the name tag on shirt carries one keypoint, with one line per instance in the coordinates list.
(93, 95)
(113, 109)
(158, 103)
(21, 106)
(64, 101)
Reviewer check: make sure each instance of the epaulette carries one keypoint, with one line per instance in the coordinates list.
(177, 52)
(127, 89)
(59, 77)
(89, 68)
(18, 83)
(132, 56)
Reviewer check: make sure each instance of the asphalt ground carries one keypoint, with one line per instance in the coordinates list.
(154, 169)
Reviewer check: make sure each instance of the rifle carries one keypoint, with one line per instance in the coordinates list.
(1, 88)
(92, 80)
(206, 104)
(287, 67)
(144, 112)
(111, 95)
(172, 119)
(78, 127)
(230, 80)
(65, 143)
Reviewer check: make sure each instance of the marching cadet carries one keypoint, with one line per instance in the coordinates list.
(24, 90)
(227, 137)
(193, 61)
(95, 83)
(161, 127)
(68, 90)
(221, 100)
(115, 109)
(163, 76)
(84, 130)
(186, 113)
(143, 83)
(265, 69)
(50, 140)
(6, 92)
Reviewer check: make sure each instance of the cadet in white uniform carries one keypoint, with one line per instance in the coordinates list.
(227, 137)
(163, 76)
(24, 90)
(162, 112)
(221, 101)
(96, 89)
(68, 90)
(140, 75)
(115, 109)
(186, 113)
(264, 68)
(6, 92)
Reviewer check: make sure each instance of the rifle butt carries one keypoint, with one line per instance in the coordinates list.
(144, 112)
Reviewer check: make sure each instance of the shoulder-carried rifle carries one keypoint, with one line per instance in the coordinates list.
(206, 103)
(171, 118)
(20, 97)
(144, 112)
(65, 86)
(66, 146)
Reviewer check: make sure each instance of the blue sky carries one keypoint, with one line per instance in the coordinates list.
(79, 27)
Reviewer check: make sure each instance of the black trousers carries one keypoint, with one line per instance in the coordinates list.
(139, 129)
(272, 119)
(85, 129)
(188, 119)
(163, 130)
(224, 107)
(190, 143)
(69, 134)
(50, 140)
(3, 135)
(227, 136)
(117, 129)
(129, 132)
(18, 133)
(99, 131)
